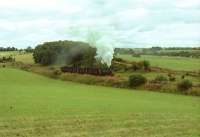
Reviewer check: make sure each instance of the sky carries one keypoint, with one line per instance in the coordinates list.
(127, 23)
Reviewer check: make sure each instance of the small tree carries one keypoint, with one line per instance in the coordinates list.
(184, 85)
(29, 49)
(146, 65)
(137, 80)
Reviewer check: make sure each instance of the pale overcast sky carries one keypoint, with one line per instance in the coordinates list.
(130, 23)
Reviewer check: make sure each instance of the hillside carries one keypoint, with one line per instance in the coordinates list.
(33, 105)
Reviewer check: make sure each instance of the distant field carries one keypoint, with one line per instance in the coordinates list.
(8, 53)
(25, 58)
(33, 105)
(174, 63)
(22, 57)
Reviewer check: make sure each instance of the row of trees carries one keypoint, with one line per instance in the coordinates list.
(69, 53)
(28, 49)
(8, 49)
(159, 51)
(194, 54)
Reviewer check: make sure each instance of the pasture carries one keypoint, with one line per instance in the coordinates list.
(32, 105)
(173, 63)
(9, 53)
(25, 58)
(19, 56)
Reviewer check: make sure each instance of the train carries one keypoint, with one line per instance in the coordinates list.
(90, 71)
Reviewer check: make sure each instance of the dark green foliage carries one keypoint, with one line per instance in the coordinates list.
(143, 65)
(137, 66)
(118, 59)
(136, 80)
(183, 76)
(160, 78)
(7, 59)
(146, 65)
(172, 78)
(29, 49)
(65, 52)
(184, 85)
(8, 49)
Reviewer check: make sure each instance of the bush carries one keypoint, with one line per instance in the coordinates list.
(137, 66)
(146, 65)
(184, 85)
(160, 78)
(136, 80)
(142, 65)
(57, 72)
(172, 78)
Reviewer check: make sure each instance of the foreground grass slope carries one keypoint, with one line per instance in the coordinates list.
(174, 63)
(32, 105)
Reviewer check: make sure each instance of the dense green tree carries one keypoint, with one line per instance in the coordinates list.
(29, 49)
(65, 52)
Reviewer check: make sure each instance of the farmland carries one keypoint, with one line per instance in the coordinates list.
(99, 68)
(174, 63)
(33, 105)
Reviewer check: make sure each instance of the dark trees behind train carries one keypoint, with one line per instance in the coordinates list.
(70, 53)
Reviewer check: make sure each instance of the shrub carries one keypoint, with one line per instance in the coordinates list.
(136, 66)
(118, 59)
(57, 72)
(136, 80)
(160, 78)
(142, 65)
(184, 85)
(183, 77)
(172, 78)
(146, 65)
(136, 55)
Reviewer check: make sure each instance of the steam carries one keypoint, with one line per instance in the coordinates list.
(104, 46)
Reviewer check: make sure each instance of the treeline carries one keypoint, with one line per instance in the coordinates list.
(159, 51)
(28, 49)
(193, 54)
(182, 48)
(8, 49)
(71, 53)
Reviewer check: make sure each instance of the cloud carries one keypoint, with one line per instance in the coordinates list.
(130, 23)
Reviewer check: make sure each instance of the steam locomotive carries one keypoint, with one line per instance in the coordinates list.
(91, 71)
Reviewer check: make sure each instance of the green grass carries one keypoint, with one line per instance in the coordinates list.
(33, 105)
(22, 57)
(8, 53)
(174, 63)
(25, 58)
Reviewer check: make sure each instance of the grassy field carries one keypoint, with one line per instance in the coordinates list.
(22, 57)
(174, 63)
(8, 53)
(25, 58)
(33, 105)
